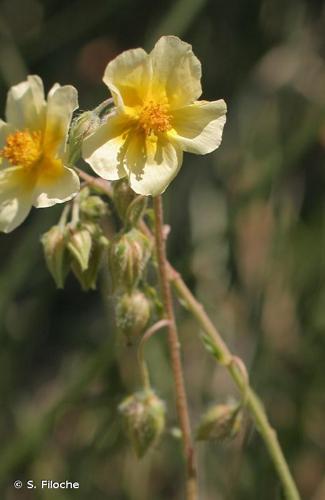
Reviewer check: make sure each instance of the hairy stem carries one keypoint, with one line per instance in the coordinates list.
(96, 182)
(174, 348)
(240, 378)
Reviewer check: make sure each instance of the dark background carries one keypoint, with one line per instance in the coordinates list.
(248, 232)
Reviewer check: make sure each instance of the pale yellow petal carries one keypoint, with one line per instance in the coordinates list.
(103, 149)
(26, 105)
(198, 128)
(176, 70)
(63, 187)
(128, 77)
(15, 202)
(151, 167)
(61, 103)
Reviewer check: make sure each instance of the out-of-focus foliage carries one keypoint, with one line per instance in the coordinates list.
(248, 232)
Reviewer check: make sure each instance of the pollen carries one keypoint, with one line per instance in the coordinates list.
(23, 148)
(155, 118)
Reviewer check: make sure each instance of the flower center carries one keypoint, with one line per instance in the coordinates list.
(23, 148)
(154, 118)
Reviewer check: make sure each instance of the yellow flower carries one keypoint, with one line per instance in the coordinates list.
(157, 116)
(33, 150)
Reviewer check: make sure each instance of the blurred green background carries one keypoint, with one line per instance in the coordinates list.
(248, 233)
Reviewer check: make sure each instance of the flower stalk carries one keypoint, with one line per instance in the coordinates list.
(144, 372)
(174, 348)
(238, 375)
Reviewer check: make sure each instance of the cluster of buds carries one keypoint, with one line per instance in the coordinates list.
(78, 246)
(144, 418)
(143, 413)
(222, 421)
(129, 254)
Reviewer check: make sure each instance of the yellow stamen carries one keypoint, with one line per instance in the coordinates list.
(23, 148)
(154, 118)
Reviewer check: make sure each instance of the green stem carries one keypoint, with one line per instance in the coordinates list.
(64, 215)
(238, 374)
(145, 376)
(75, 212)
(174, 349)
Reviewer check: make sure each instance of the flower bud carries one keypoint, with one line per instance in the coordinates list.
(86, 123)
(128, 256)
(88, 277)
(83, 125)
(56, 255)
(132, 314)
(122, 196)
(136, 210)
(144, 418)
(220, 422)
(93, 208)
(79, 246)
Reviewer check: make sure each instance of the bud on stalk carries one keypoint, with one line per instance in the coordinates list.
(144, 418)
(55, 253)
(81, 127)
(220, 422)
(132, 314)
(135, 211)
(79, 245)
(88, 277)
(93, 208)
(122, 196)
(128, 256)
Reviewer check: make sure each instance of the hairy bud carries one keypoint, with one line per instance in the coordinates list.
(88, 277)
(128, 256)
(220, 422)
(86, 123)
(56, 255)
(144, 418)
(132, 314)
(136, 210)
(79, 245)
(83, 125)
(122, 196)
(93, 208)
